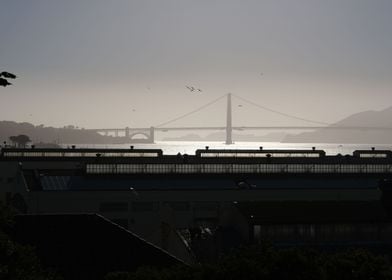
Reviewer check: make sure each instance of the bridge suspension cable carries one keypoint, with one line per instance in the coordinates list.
(279, 113)
(192, 112)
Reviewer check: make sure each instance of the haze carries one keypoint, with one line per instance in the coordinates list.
(127, 63)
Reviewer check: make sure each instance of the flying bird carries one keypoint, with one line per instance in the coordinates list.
(191, 89)
(4, 82)
(8, 75)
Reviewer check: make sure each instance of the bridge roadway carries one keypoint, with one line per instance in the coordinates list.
(149, 132)
(165, 129)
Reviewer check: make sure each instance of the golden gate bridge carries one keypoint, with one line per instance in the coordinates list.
(149, 132)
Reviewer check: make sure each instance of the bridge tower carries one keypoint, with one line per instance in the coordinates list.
(152, 134)
(229, 127)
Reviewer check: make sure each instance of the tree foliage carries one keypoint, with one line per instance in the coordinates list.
(4, 78)
(270, 263)
(17, 261)
(20, 140)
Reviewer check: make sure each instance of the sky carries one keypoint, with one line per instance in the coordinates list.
(99, 63)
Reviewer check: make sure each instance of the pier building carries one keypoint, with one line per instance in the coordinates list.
(214, 199)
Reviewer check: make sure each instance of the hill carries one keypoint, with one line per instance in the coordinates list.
(381, 118)
(66, 135)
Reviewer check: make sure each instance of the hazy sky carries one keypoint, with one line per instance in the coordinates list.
(99, 63)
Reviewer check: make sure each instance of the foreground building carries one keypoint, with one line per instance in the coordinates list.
(212, 200)
(87, 246)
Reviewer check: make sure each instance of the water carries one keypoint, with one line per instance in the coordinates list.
(173, 147)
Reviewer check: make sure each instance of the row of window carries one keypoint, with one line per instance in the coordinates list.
(79, 154)
(321, 232)
(262, 155)
(236, 168)
(373, 155)
(7, 180)
(141, 206)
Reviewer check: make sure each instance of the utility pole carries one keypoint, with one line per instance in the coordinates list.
(229, 127)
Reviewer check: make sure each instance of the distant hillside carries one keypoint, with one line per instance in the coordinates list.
(66, 135)
(368, 118)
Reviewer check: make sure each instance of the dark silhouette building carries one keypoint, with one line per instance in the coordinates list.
(218, 197)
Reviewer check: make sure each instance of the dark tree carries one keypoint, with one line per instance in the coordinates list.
(20, 140)
(18, 261)
(4, 76)
(269, 263)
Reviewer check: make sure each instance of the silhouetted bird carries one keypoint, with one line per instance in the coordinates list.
(8, 75)
(192, 89)
(4, 82)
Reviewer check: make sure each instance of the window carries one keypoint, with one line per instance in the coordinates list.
(373, 155)
(145, 206)
(206, 206)
(179, 205)
(257, 233)
(113, 207)
(167, 168)
(258, 154)
(334, 232)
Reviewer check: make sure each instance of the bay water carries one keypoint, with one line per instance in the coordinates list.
(189, 147)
